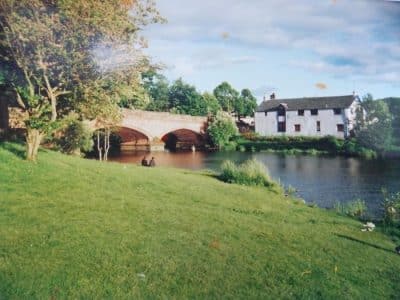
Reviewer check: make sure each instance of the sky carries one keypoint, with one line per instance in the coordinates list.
(295, 48)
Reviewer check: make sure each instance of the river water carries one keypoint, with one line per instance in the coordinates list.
(323, 180)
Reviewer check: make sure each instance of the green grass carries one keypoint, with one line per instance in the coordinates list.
(75, 228)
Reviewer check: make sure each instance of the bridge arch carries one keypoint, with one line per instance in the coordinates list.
(183, 139)
(132, 138)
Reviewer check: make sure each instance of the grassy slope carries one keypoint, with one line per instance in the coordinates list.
(76, 228)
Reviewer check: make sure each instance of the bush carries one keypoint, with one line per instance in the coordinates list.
(251, 172)
(229, 146)
(391, 208)
(355, 209)
(74, 137)
(221, 129)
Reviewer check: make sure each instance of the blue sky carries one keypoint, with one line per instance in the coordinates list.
(295, 48)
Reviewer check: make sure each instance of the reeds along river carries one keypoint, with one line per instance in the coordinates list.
(323, 180)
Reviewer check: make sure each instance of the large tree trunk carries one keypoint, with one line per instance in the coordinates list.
(33, 139)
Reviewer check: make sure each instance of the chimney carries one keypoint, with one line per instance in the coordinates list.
(272, 96)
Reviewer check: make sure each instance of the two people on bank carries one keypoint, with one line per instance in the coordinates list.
(146, 163)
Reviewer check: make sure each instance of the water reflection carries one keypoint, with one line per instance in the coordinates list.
(320, 179)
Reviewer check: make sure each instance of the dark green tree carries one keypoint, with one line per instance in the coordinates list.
(375, 131)
(184, 99)
(245, 104)
(394, 108)
(226, 96)
(221, 129)
(211, 103)
(157, 87)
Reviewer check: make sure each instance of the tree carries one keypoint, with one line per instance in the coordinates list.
(375, 129)
(221, 129)
(394, 109)
(245, 104)
(74, 136)
(48, 49)
(157, 87)
(211, 103)
(226, 96)
(185, 99)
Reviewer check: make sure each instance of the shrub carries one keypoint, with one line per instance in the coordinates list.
(251, 172)
(356, 208)
(74, 136)
(221, 129)
(391, 208)
(229, 146)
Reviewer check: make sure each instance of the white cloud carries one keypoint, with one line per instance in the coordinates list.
(357, 38)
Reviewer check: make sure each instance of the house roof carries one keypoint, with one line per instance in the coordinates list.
(307, 103)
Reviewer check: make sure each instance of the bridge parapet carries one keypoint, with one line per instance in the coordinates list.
(160, 127)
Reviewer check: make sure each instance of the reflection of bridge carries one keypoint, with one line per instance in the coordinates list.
(142, 130)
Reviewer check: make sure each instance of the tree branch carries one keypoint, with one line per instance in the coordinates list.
(20, 101)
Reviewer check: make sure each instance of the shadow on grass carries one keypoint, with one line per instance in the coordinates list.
(364, 243)
(17, 149)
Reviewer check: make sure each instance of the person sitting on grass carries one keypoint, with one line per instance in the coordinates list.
(144, 162)
(152, 162)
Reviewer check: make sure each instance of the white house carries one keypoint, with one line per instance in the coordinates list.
(318, 116)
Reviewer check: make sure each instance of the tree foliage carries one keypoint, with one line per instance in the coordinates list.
(226, 96)
(157, 87)
(245, 104)
(51, 51)
(185, 99)
(221, 129)
(394, 109)
(74, 136)
(211, 103)
(375, 126)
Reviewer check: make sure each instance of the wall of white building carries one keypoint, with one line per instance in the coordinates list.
(267, 124)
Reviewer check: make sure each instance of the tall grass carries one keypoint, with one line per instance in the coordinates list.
(356, 209)
(251, 172)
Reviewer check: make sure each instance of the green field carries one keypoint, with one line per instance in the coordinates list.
(75, 228)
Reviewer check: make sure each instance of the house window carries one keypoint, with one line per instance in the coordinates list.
(281, 111)
(297, 127)
(318, 126)
(281, 126)
(340, 127)
(300, 112)
(337, 111)
(314, 112)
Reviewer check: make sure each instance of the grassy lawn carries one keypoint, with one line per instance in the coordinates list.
(75, 228)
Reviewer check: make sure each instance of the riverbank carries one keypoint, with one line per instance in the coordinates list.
(75, 228)
(303, 145)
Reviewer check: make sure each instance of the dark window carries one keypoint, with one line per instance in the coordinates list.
(337, 111)
(266, 113)
(281, 111)
(314, 112)
(281, 126)
(318, 125)
(297, 127)
(340, 127)
(300, 112)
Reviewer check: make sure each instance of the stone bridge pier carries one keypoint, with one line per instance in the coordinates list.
(144, 130)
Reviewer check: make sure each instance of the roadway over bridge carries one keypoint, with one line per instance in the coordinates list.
(145, 130)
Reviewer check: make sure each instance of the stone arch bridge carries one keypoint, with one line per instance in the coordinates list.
(145, 130)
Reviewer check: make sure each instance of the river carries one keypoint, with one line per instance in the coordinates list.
(323, 180)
